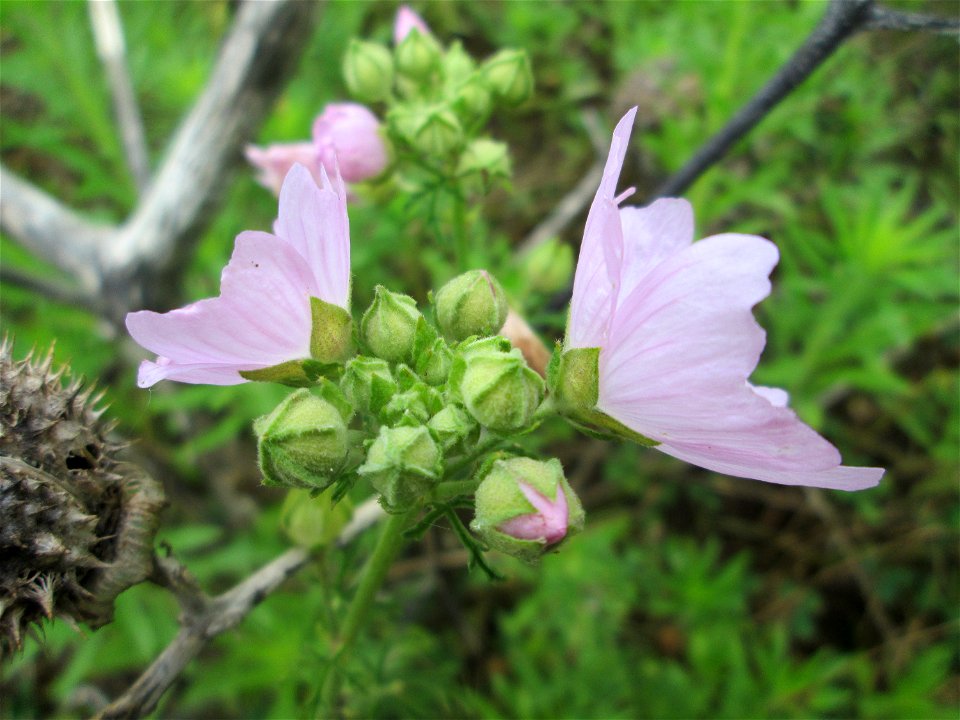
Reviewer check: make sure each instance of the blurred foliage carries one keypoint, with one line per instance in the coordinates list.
(689, 595)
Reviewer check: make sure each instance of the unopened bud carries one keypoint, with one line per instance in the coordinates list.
(368, 384)
(403, 464)
(313, 521)
(451, 425)
(472, 102)
(368, 71)
(302, 443)
(389, 325)
(524, 507)
(486, 160)
(413, 406)
(497, 386)
(438, 134)
(457, 64)
(509, 77)
(471, 304)
(417, 55)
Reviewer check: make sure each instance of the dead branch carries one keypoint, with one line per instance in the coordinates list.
(203, 618)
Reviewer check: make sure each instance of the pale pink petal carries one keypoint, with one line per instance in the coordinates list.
(406, 21)
(596, 282)
(261, 318)
(837, 477)
(150, 373)
(274, 162)
(650, 235)
(314, 221)
(548, 523)
(775, 396)
(681, 348)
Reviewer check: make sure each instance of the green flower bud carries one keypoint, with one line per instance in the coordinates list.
(497, 386)
(524, 507)
(417, 55)
(313, 522)
(413, 406)
(485, 160)
(509, 77)
(457, 64)
(432, 357)
(549, 266)
(403, 464)
(439, 133)
(302, 443)
(368, 71)
(368, 384)
(472, 102)
(389, 325)
(471, 304)
(451, 425)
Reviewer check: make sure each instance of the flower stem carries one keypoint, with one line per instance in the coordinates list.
(372, 577)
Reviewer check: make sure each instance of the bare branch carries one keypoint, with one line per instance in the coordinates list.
(883, 19)
(108, 37)
(58, 292)
(51, 231)
(203, 618)
(261, 50)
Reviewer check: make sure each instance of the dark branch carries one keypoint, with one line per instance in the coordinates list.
(883, 19)
(842, 19)
(54, 291)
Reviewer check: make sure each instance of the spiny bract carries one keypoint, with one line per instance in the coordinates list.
(76, 525)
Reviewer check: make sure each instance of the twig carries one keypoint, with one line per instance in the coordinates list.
(260, 51)
(841, 20)
(883, 19)
(108, 36)
(57, 292)
(203, 618)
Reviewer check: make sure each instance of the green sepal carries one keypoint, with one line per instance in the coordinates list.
(294, 373)
(573, 378)
(330, 392)
(331, 337)
(432, 357)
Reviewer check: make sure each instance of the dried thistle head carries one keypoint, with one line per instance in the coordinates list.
(76, 525)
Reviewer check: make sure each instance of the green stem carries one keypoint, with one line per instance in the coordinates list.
(454, 488)
(460, 231)
(372, 577)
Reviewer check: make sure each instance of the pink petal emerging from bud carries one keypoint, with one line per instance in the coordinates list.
(548, 523)
(348, 135)
(678, 340)
(262, 317)
(406, 21)
(274, 162)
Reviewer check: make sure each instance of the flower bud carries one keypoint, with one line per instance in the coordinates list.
(549, 266)
(313, 522)
(472, 102)
(451, 425)
(389, 325)
(471, 304)
(405, 21)
(486, 160)
(368, 384)
(525, 506)
(302, 443)
(438, 134)
(403, 464)
(347, 135)
(417, 55)
(497, 387)
(368, 71)
(413, 406)
(457, 64)
(509, 77)
(274, 162)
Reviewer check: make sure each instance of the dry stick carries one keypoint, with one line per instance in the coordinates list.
(262, 48)
(203, 618)
(108, 36)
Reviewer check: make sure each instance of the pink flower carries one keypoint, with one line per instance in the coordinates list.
(274, 162)
(678, 340)
(263, 315)
(548, 523)
(349, 134)
(406, 21)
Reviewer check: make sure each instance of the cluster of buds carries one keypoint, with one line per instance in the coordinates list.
(438, 99)
(422, 405)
